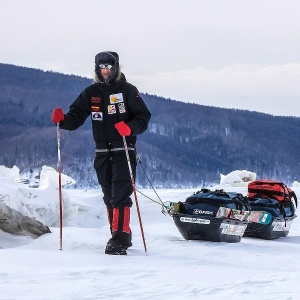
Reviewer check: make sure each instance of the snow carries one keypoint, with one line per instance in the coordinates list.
(172, 268)
(38, 202)
(237, 178)
(296, 184)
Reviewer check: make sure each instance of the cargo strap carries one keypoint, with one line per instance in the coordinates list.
(272, 194)
(269, 193)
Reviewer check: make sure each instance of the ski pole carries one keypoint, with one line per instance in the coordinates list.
(59, 186)
(134, 192)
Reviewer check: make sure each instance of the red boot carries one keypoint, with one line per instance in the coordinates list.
(121, 232)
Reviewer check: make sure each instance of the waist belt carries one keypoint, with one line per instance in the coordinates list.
(113, 150)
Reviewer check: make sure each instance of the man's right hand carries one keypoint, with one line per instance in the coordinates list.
(58, 115)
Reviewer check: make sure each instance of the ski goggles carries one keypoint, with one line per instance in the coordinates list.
(103, 66)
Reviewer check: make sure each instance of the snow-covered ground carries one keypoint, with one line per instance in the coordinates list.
(172, 268)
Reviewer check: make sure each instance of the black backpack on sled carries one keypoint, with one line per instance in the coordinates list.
(213, 216)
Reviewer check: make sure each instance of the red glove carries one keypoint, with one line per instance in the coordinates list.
(58, 115)
(123, 129)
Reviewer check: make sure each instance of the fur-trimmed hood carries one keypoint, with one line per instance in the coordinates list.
(107, 57)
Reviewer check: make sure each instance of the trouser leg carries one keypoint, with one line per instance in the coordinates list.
(114, 178)
(121, 181)
(110, 217)
(121, 231)
(102, 166)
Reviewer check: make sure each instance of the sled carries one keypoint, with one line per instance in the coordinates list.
(282, 216)
(207, 228)
(279, 227)
(214, 216)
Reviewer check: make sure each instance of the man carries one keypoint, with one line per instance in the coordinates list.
(116, 110)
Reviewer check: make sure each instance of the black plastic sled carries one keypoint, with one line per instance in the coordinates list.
(209, 228)
(283, 214)
(214, 216)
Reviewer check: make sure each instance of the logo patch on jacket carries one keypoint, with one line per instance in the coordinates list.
(111, 109)
(97, 116)
(95, 108)
(116, 98)
(121, 108)
(95, 99)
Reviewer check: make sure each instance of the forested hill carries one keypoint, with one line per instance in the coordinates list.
(187, 145)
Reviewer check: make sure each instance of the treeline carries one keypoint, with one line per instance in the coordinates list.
(187, 145)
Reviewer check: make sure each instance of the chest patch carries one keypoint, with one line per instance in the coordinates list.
(95, 108)
(95, 100)
(116, 98)
(97, 116)
(121, 108)
(111, 109)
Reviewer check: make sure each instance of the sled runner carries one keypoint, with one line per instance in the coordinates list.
(213, 216)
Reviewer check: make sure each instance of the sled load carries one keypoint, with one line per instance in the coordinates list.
(213, 216)
(266, 212)
(279, 201)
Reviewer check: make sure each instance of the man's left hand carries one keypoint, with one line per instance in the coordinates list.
(123, 128)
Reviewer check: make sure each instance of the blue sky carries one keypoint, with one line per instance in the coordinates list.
(225, 53)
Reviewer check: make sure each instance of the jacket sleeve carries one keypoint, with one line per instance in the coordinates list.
(140, 115)
(78, 113)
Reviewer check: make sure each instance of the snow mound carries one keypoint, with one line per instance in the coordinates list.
(11, 173)
(41, 203)
(237, 178)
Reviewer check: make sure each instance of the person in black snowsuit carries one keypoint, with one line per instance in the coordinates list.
(116, 110)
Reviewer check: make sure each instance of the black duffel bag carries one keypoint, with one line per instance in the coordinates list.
(207, 203)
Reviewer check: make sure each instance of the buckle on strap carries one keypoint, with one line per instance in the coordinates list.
(113, 150)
